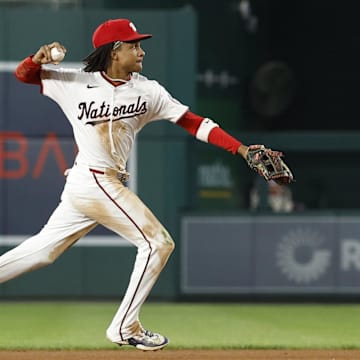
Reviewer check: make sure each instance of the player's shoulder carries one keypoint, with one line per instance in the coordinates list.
(65, 73)
(63, 70)
(139, 77)
(143, 80)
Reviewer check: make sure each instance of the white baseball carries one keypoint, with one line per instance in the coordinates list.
(56, 54)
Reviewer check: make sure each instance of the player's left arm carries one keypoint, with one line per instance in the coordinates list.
(264, 161)
(205, 129)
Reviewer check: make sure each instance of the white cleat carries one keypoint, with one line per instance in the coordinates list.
(146, 341)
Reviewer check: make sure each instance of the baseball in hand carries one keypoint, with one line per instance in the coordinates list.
(56, 54)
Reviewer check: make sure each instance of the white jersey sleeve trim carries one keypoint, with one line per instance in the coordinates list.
(204, 129)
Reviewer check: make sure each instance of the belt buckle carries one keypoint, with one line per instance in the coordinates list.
(123, 177)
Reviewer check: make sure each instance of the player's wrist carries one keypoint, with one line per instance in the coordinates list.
(242, 150)
(34, 60)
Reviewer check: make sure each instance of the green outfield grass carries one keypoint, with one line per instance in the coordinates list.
(82, 325)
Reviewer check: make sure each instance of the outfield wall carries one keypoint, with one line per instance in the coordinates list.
(277, 255)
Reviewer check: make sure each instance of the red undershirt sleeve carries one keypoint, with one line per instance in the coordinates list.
(221, 138)
(190, 122)
(216, 136)
(28, 72)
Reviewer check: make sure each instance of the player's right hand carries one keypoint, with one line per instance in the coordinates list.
(43, 55)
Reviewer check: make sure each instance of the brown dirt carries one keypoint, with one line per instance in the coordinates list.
(182, 355)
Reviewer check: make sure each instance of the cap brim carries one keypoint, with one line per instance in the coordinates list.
(137, 37)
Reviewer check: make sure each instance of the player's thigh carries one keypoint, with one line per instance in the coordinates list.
(128, 216)
(65, 226)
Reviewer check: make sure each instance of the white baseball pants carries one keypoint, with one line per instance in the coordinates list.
(95, 196)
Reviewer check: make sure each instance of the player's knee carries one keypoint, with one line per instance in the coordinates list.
(45, 261)
(162, 251)
(168, 247)
(164, 244)
(171, 245)
(45, 258)
(167, 242)
(39, 262)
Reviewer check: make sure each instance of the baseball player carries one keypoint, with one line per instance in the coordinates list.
(107, 103)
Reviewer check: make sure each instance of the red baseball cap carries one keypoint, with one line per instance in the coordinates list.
(116, 30)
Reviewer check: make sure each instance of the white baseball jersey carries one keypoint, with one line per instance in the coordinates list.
(106, 118)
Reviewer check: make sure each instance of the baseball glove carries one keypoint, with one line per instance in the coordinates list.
(269, 164)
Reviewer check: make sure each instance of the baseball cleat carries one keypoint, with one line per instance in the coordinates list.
(147, 341)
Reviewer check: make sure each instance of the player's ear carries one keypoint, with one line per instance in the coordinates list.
(114, 55)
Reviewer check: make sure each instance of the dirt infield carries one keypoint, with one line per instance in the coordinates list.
(183, 355)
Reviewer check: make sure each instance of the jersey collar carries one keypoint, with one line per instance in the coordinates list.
(115, 82)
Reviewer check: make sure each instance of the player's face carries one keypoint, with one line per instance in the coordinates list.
(129, 57)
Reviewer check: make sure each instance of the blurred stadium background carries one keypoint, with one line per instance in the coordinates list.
(276, 72)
